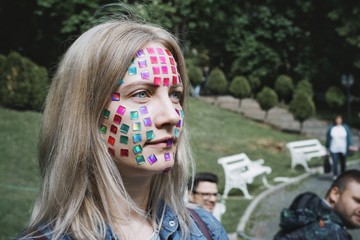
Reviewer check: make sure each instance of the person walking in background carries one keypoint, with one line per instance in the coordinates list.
(114, 153)
(338, 141)
(310, 217)
(203, 191)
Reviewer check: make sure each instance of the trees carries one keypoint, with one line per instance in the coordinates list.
(334, 97)
(302, 107)
(23, 83)
(240, 88)
(217, 83)
(267, 99)
(284, 87)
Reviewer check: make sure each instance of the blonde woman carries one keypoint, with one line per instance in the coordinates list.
(113, 150)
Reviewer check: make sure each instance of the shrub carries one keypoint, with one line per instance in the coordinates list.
(335, 97)
(306, 87)
(23, 83)
(267, 99)
(302, 107)
(240, 88)
(195, 75)
(254, 82)
(284, 87)
(217, 83)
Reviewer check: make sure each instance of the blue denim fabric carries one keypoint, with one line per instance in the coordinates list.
(336, 157)
(170, 228)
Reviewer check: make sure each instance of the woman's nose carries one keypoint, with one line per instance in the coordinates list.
(166, 113)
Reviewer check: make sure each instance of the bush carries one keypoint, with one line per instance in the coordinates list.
(284, 87)
(305, 87)
(335, 97)
(254, 82)
(240, 87)
(23, 84)
(217, 83)
(195, 75)
(302, 107)
(267, 99)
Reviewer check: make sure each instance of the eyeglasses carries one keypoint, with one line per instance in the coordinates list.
(207, 195)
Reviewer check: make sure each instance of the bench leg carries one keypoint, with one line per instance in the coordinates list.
(245, 191)
(265, 181)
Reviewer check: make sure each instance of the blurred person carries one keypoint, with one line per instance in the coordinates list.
(114, 154)
(311, 217)
(203, 191)
(338, 142)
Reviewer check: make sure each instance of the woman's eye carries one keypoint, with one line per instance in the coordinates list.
(176, 95)
(142, 94)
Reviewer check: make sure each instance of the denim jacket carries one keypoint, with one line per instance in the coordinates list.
(170, 228)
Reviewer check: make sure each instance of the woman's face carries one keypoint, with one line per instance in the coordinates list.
(144, 118)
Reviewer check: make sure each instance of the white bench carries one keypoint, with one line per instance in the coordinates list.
(240, 171)
(303, 151)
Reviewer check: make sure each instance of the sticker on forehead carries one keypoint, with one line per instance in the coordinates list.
(166, 82)
(111, 140)
(132, 71)
(142, 63)
(121, 110)
(150, 50)
(117, 119)
(136, 126)
(140, 53)
(124, 128)
(111, 151)
(113, 129)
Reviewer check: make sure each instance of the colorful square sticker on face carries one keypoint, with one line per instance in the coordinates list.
(132, 71)
(103, 129)
(150, 135)
(121, 110)
(140, 159)
(166, 82)
(143, 110)
(124, 152)
(117, 119)
(124, 139)
(124, 128)
(113, 129)
(136, 126)
(145, 75)
(142, 63)
(167, 156)
(137, 149)
(111, 151)
(157, 81)
(150, 50)
(152, 159)
(137, 138)
(134, 115)
(115, 97)
(111, 140)
(147, 122)
(140, 53)
(106, 113)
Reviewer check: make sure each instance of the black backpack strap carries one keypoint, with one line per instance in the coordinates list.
(200, 223)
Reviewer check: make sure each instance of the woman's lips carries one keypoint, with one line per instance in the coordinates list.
(161, 143)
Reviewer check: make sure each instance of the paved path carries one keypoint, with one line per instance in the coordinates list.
(264, 221)
(278, 117)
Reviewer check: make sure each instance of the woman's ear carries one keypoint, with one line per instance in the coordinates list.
(333, 196)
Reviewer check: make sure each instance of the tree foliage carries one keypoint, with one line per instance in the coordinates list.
(335, 97)
(195, 75)
(240, 88)
(306, 87)
(284, 86)
(23, 83)
(302, 107)
(267, 99)
(217, 83)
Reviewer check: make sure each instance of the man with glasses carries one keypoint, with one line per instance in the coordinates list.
(204, 193)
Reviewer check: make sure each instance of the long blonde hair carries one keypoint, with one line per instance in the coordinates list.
(79, 178)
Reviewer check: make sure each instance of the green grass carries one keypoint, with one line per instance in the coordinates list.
(214, 133)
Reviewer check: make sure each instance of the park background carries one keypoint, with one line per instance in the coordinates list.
(302, 56)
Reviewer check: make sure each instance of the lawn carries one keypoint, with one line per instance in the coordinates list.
(214, 133)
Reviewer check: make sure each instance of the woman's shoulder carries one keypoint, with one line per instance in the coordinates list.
(215, 228)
